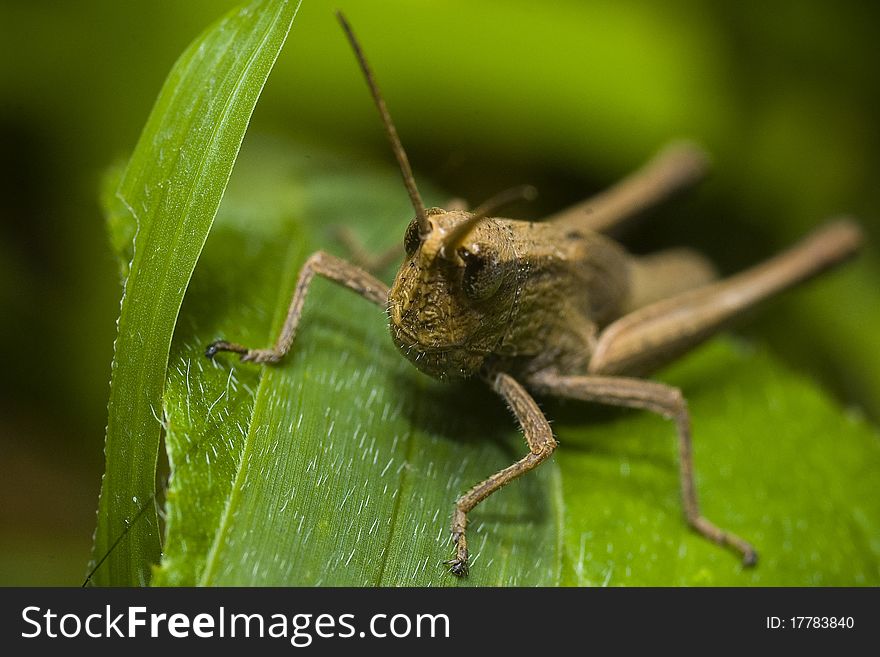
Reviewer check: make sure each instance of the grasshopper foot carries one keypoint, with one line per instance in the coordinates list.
(247, 355)
(742, 547)
(750, 558)
(458, 566)
(222, 345)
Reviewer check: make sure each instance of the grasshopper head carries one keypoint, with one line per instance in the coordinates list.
(451, 301)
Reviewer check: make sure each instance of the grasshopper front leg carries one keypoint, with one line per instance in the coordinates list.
(325, 265)
(541, 443)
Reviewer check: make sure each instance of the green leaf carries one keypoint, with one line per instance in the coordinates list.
(167, 197)
(340, 466)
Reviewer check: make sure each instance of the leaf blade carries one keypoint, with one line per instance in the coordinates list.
(171, 189)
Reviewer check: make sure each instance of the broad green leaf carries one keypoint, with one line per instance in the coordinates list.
(340, 466)
(167, 198)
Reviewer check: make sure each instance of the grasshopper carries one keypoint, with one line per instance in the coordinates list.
(557, 308)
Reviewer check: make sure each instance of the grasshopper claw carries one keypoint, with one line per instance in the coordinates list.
(457, 566)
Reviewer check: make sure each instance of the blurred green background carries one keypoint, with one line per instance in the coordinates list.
(568, 96)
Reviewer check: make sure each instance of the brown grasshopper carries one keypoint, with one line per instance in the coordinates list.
(557, 308)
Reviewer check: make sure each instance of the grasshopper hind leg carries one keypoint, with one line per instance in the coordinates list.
(663, 400)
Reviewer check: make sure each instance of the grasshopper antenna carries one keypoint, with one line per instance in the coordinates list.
(396, 146)
(462, 230)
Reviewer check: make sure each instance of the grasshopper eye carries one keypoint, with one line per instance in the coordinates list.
(481, 277)
(411, 239)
